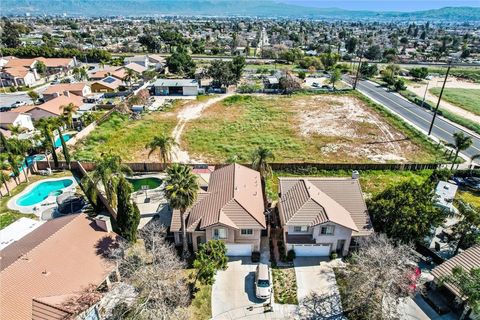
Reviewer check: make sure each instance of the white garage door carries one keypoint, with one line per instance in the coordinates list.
(309, 250)
(239, 249)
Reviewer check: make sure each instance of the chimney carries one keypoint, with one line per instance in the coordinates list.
(355, 174)
(104, 223)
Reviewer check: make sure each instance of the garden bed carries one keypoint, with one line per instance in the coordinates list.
(284, 285)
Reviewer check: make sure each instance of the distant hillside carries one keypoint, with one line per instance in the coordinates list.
(262, 8)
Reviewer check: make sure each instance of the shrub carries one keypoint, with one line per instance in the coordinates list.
(291, 255)
(255, 256)
(333, 255)
(13, 89)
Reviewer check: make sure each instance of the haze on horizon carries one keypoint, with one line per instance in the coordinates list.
(385, 5)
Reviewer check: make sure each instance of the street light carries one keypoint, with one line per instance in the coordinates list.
(440, 97)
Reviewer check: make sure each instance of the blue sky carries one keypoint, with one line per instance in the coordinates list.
(385, 5)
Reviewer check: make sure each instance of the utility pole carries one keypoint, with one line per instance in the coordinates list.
(439, 97)
(358, 69)
(425, 94)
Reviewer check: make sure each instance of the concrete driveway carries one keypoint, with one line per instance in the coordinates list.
(234, 287)
(317, 290)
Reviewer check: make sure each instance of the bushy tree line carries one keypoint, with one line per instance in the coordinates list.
(90, 55)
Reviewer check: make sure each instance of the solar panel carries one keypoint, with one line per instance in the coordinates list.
(109, 80)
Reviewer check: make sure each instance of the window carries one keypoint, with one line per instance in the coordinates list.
(300, 228)
(246, 232)
(327, 230)
(219, 234)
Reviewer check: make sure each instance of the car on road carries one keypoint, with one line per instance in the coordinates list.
(263, 283)
(18, 104)
(5, 109)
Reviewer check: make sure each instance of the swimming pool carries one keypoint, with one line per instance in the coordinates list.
(42, 191)
(58, 142)
(151, 182)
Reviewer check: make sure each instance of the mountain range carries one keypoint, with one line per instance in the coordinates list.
(250, 8)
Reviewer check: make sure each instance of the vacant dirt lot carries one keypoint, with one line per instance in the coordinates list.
(300, 128)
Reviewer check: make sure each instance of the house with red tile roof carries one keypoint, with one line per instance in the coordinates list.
(81, 89)
(54, 264)
(231, 209)
(51, 108)
(322, 215)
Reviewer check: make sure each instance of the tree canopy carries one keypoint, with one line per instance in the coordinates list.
(211, 256)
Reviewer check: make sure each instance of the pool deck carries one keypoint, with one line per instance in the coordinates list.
(152, 202)
(49, 202)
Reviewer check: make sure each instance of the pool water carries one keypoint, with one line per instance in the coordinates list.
(42, 190)
(58, 142)
(152, 183)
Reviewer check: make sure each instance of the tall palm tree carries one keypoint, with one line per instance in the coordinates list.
(22, 149)
(65, 152)
(461, 142)
(107, 171)
(181, 191)
(46, 126)
(4, 178)
(68, 112)
(16, 130)
(11, 149)
(260, 158)
(130, 76)
(79, 73)
(163, 143)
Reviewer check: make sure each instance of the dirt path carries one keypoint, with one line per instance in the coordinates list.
(436, 82)
(190, 112)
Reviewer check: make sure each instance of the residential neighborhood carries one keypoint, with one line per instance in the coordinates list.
(239, 160)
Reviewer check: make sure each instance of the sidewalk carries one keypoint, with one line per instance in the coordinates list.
(280, 311)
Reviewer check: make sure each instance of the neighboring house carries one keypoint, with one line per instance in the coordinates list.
(176, 87)
(51, 108)
(135, 67)
(232, 210)
(13, 119)
(147, 61)
(271, 84)
(468, 259)
(81, 89)
(322, 215)
(58, 65)
(108, 84)
(54, 263)
(19, 72)
(116, 72)
(141, 60)
(445, 193)
(156, 61)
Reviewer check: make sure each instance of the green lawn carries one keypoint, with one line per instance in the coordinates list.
(8, 216)
(372, 181)
(468, 99)
(240, 124)
(125, 137)
(470, 197)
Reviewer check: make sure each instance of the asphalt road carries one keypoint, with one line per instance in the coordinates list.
(417, 115)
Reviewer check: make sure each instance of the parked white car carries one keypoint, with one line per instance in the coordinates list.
(263, 283)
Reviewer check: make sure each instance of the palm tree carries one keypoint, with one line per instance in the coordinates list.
(181, 191)
(163, 143)
(22, 148)
(260, 159)
(107, 171)
(16, 130)
(102, 63)
(79, 73)
(46, 126)
(33, 95)
(66, 154)
(4, 178)
(11, 156)
(461, 142)
(68, 112)
(130, 76)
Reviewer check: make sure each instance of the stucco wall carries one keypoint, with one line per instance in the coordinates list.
(340, 233)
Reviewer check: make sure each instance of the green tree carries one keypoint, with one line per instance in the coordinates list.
(351, 44)
(329, 60)
(466, 228)
(406, 212)
(11, 157)
(399, 85)
(468, 283)
(108, 170)
(237, 66)
(181, 62)
(460, 142)
(10, 35)
(419, 73)
(130, 76)
(46, 126)
(79, 73)
(211, 256)
(128, 215)
(41, 68)
(5, 178)
(335, 76)
(66, 154)
(221, 73)
(33, 95)
(181, 191)
(260, 158)
(373, 52)
(164, 144)
(368, 70)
